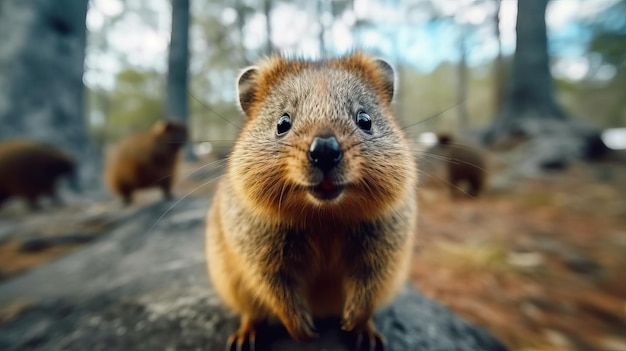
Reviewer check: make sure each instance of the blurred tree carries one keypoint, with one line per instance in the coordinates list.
(219, 44)
(498, 74)
(41, 73)
(99, 110)
(98, 97)
(242, 13)
(322, 26)
(530, 109)
(267, 11)
(530, 93)
(461, 81)
(178, 69)
(124, 94)
(469, 33)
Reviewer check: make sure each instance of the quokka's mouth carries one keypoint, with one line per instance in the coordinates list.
(326, 190)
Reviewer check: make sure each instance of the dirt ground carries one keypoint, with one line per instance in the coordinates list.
(541, 265)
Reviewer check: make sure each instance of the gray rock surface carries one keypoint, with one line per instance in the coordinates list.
(42, 243)
(144, 286)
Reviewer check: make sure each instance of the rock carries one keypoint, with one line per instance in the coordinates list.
(572, 258)
(526, 260)
(554, 164)
(595, 148)
(582, 264)
(144, 286)
(7, 231)
(44, 242)
(545, 144)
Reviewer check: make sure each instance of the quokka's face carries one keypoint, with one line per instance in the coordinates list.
(324, 138)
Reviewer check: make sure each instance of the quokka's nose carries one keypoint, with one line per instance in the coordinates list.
(325, 153)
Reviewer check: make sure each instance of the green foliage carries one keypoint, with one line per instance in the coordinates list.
(217, 123)
(604, 102)
(611, 45)
(135, 103)
(609, 35)
(218, 54)
(601, 103)
(423, 95)
(216, 61)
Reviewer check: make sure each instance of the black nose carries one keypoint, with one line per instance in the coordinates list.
(325, 153)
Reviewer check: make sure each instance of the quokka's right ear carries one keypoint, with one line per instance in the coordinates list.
(388, 77)
(246, 88)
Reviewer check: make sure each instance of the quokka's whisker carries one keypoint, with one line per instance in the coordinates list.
(218, 163)
(447, 182)
(217, 114)
(180, 200)
(433, 115)
(453, 159)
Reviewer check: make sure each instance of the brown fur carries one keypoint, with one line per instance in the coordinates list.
(465, 164)
(273, 249)
(145, 160)
(30, 169)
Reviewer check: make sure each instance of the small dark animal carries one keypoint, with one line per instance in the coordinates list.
(145, 160)
(30, 169)
(465, 164)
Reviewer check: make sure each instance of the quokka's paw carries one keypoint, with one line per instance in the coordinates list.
(300, 326)
(368, 338)
(243, 339)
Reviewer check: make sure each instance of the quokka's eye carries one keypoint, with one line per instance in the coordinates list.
(283, 125)
(364, 122)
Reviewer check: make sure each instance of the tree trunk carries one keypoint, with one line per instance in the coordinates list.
(322, 32)
(241, 24)
(461, 83)
(178, 70)
(41, 70)
(267, 10)
(530, 114)
(530, 93)
(498, 75)
(41, 74)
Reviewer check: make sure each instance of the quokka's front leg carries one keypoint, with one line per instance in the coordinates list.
(287, 302)
(277, 290)
(372, 263)
(359, 309)
(281, 267)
